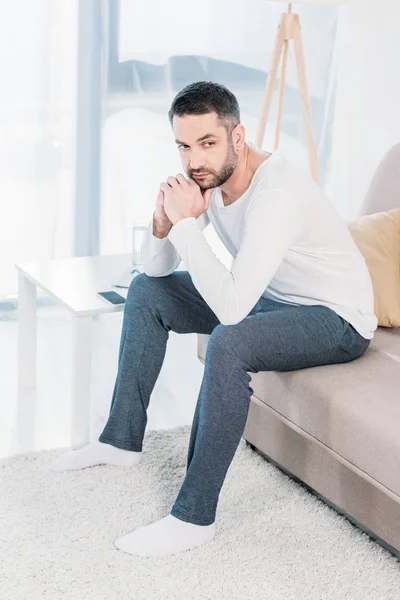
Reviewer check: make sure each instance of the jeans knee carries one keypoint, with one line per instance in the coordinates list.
(225, 355)
(140, 288)
(223, 339)
(151, 292)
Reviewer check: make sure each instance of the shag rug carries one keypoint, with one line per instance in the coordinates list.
(274, 540)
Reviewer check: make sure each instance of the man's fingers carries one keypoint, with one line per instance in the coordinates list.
(172, 181)
(164, 187)
(181, 179)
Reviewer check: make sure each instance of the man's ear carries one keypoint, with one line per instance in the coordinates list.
(238, 137)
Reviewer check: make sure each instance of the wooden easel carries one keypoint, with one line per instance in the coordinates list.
(288, 29)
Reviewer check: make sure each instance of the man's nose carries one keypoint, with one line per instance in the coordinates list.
(196, 161)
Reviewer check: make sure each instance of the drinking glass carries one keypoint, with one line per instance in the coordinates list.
(139, 225)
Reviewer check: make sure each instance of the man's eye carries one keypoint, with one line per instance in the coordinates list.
(182, 146)
(212, 143)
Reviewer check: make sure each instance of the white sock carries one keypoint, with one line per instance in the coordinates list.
(96, 453)
(167, 536)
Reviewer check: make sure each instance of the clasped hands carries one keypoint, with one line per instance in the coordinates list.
(183, 198)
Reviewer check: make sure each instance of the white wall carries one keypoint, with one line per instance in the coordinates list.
(367, 115)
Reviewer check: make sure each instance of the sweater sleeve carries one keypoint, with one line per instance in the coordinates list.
(274, 221)
(159, 256)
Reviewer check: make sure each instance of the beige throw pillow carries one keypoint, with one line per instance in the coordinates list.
(377, 236)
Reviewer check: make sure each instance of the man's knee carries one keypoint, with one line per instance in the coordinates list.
(140, 285)
(147, 290)
(142, 290)
(223, 339)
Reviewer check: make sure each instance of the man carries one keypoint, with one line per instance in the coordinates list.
(298, 295)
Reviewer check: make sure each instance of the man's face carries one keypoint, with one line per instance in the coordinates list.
(205, 147)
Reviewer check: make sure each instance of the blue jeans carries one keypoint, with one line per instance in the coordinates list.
(273, 337)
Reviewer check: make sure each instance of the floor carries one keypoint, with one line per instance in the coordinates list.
(172, 402)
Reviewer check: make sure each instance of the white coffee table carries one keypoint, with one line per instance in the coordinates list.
(74, 282)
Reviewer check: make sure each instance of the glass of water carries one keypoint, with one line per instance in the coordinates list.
(139, 225)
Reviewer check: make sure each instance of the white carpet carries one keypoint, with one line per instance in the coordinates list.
(273, 540)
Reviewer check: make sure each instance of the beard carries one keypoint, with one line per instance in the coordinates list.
(227, 169)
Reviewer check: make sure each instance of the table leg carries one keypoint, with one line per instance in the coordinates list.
(81, 371)
(27, 362)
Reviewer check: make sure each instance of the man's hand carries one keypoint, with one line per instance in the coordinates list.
(183, 198)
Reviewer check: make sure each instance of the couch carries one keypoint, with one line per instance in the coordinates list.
(335, 429)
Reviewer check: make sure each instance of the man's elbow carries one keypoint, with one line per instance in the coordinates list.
(147, 270)
(230, 319)
(150, 274)
(154, 273)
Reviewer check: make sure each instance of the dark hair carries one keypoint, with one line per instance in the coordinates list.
(203, 97)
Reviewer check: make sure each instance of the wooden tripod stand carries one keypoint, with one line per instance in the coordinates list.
(288, 29)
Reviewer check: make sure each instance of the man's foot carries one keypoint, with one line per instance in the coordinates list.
(96, 453)
(167, 536)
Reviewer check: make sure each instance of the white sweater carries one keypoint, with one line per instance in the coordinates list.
(288, 243)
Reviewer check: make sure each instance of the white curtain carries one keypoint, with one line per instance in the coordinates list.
(239, 31)
(37, 132)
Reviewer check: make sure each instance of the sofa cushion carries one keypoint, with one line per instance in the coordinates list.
(353, 408)
(377, 236)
